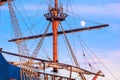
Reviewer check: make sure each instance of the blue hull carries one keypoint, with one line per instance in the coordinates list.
(8, 71)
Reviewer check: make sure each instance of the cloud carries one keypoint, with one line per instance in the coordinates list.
(114, 56)
(114, 64)
(26, 7)
(110, 58)
(111, 9)
(108, 55)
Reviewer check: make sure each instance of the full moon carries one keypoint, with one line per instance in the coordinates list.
(83, 23)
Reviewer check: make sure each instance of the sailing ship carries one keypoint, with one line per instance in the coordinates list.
(32, 68)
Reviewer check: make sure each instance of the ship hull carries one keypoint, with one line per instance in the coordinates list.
(8, 71)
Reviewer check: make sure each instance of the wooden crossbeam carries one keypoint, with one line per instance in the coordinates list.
(60, 32)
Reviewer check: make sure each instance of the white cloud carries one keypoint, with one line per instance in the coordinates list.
(111, 9)
(108, 9)
(114, 56)
(27, 7)
(110, 58)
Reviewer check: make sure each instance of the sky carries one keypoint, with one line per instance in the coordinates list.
(104, 42)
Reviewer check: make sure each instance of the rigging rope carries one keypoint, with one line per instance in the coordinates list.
(22, 17)
(46, 53)
(22, 47)
(79, 17)
(70, 48)
(29, 28)
(81, 42)
(32, 24)
(27, 17)
(49, 3)
(101, 62)
(66, 3)
(84, 49)
(96, 58)
(61, 3)
(105, 66)
(72, 53)
(35, 52)
(37, 13)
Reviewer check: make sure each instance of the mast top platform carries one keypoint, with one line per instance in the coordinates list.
(55, 14)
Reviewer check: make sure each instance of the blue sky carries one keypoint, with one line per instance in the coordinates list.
(105, 42)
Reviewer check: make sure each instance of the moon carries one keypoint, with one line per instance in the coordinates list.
(83, 23)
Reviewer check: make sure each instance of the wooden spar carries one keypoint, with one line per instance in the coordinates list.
(2, 2)
(55, 24)
(60, 32)
(10, 53)
(65, 66)
(55, 42)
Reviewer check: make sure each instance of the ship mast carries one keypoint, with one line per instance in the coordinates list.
(55, 24)
(55, 15)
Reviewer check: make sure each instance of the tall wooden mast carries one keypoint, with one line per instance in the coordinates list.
(55, 24)
(55, 15)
